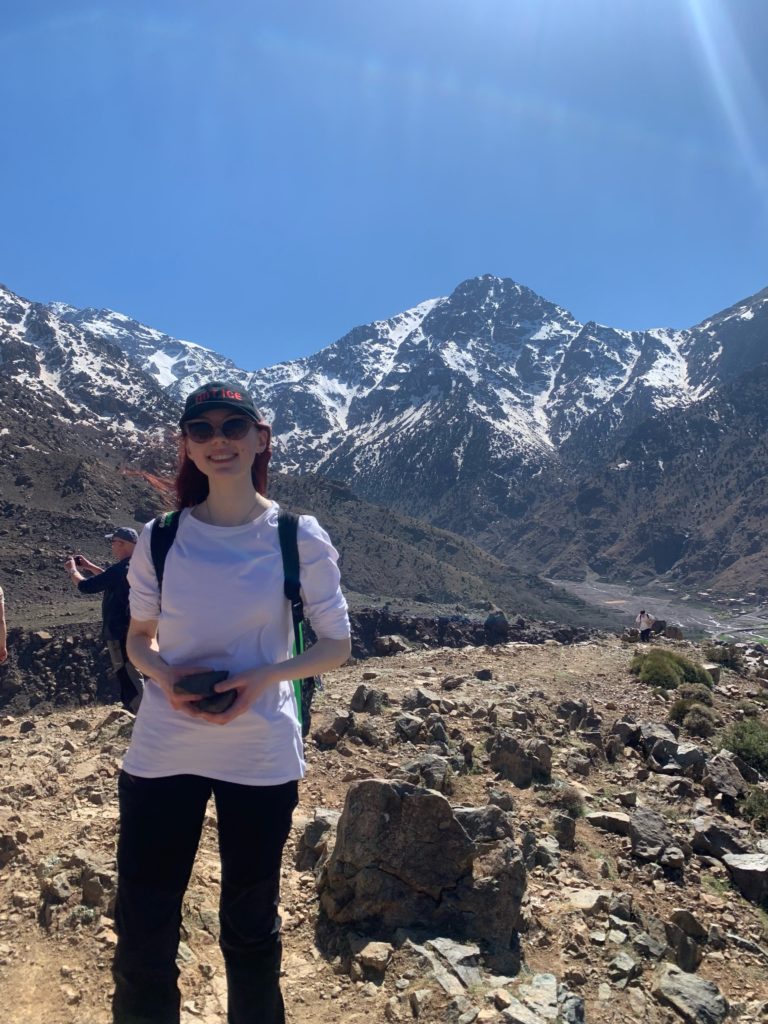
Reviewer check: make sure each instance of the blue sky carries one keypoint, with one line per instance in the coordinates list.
(262, 176)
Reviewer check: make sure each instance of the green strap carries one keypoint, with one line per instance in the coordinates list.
(297, 682)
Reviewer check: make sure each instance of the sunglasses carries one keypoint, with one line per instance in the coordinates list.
(233, 429)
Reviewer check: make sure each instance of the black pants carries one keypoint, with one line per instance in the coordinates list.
(128, 676)
(645, 635)
(160, 825)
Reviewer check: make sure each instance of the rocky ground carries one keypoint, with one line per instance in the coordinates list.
(605, 844)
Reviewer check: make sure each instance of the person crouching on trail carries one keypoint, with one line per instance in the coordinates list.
(112, 584)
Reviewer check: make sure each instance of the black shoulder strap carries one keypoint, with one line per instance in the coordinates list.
(287, 528)
(162, 537)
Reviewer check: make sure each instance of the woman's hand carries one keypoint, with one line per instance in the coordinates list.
(249, 685)
(172, 674)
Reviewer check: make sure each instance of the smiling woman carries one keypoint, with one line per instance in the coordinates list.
(220, 714)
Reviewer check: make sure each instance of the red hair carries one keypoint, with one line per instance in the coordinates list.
(192, 485)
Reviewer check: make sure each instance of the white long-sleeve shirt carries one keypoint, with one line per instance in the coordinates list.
(223, 607)
(644, 621)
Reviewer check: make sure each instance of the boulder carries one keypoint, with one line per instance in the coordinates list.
(610, 821)
(369, 700)
(486, 824)
(409, 727)
(521, 762)
(657, 742)
(420, 697)
(695, 1000)
(716, 838)
(385, 872)
(497, 627)
(327, 736)
(314, 839)
(649, 833)
(749, 872)
(432, 771)
(686, 947)
(628, 732)
(691, 759)
(723, 778)
(590, 901)
(564, 830)
(387, 645)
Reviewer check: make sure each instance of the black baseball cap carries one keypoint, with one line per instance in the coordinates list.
(219, 395)
(123, 533)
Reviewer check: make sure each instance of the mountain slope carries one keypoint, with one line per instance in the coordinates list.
(685, 494)
(476, 411)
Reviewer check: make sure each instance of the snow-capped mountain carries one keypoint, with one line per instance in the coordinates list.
(462, 410)
(171, 362)
(492, 357)
(75, 377)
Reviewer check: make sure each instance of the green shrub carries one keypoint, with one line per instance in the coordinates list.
(568, 799)
(750, 709)
(680, 709)
(668, 669)
(727, 655)
(700, 721)
(755, 809)
(696, 693)
(748, 739)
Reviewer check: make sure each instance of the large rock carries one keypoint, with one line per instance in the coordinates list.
(649, 834)
(402, 859)
(652, 733)
(521, 761)
(369, 700)
(749, 872)
(722, 778)
(716, 838)
(697, 1001)
(609, 821)
(627, 731)
(691, 759)
(431, 771)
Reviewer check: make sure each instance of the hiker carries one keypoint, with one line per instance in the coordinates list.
(112, 584)
(220, 605)
(644, 623)
(3, 630)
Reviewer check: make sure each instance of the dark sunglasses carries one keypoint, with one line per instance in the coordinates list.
(233, 429)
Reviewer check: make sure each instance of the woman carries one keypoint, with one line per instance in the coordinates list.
(222, 608)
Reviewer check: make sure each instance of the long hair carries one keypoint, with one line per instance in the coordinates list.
(192, 485)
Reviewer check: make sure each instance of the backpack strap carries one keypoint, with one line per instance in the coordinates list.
(288, 528)
(304, 689)
(162, 537)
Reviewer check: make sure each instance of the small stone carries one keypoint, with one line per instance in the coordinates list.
(590, 901)
(500, 998)
(420, 1000)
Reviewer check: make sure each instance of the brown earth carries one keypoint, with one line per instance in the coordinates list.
(57, 799)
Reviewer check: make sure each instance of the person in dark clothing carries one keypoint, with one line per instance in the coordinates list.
(112, 584)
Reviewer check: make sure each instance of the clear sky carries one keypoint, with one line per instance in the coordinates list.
(260, 176)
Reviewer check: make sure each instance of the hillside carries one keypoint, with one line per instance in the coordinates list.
(596, 926)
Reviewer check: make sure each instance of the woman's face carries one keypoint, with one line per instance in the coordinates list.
(223, 457)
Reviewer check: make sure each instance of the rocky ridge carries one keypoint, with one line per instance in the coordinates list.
(643, 905)
(475, 411)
